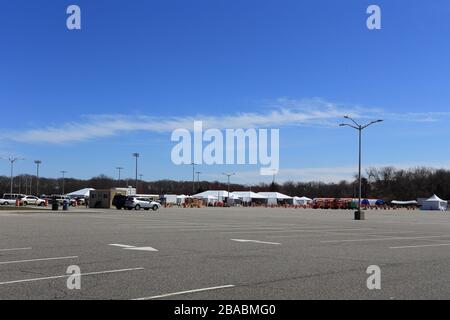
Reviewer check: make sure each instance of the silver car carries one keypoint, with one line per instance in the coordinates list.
(138, 203)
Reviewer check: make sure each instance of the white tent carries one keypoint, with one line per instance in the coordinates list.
(274, 197)
(403, 203)
(170, 198)
(182, 198)
(247, 196)
(80, 193)
(435, 203)
(302, 201)
(220, 195)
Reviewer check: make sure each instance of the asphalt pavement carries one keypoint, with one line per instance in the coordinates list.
(223, 253)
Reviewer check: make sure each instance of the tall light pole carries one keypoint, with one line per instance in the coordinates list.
(38, 163)
(63, 178)
(359, 215)
(136, 155)
(193, 164)
(228, 175)
(198, 178)
(140, 180)
(12, 160)
(118, 180)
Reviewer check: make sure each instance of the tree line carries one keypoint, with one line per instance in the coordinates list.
(386, 183)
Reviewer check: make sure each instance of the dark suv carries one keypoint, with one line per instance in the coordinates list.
(119, 201)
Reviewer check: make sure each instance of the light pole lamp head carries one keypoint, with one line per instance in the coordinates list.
(136, 155)
(37, 162)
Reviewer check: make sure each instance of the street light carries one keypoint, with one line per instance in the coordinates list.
(119, 169)
(63, 176)
(193, 164)
(228, 175)
(198, 178)
(140, 180)
(136, 155)
(358, 214)
(12, 160)
(38, 163)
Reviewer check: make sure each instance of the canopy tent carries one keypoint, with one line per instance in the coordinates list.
(220, 195)
(435, 203)
(275, 197)
(247, 196)
(405, 203)
(371, 202)
(170, 198)
(182, 198)
(82, 193)
(301, 201)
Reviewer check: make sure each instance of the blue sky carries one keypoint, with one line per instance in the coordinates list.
(84, 100)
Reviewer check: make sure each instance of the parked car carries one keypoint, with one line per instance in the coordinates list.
(138, 203)
(119, 201)
(32, 200)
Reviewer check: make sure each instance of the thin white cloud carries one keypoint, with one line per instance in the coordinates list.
(322, 174)
(282, 113)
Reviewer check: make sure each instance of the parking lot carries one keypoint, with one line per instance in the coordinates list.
(223, 253)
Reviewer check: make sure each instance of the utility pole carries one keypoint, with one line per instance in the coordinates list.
(358, 214)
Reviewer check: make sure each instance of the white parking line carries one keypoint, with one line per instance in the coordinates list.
(185, 292)
(68, 275)
(40, 259)
(422, 246)
(295, 230)
(385, 239)
(16, 249)
(255, 241)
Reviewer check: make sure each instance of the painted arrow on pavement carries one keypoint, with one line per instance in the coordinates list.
(126, 247)
(255, 241)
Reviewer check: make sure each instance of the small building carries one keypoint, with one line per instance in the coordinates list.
(102, 198)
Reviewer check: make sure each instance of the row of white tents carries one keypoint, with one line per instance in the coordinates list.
(270, 198)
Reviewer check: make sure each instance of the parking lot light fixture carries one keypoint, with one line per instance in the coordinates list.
(118, 180)
(136, 155)
(358, 214)
(193, 164)
(38, 163)
(12, 160)
(228, 176)
(63, 178)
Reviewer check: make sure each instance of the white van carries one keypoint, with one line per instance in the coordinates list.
(10, 198)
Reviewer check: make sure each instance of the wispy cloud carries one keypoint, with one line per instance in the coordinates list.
(324, 174)
(283, 112)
